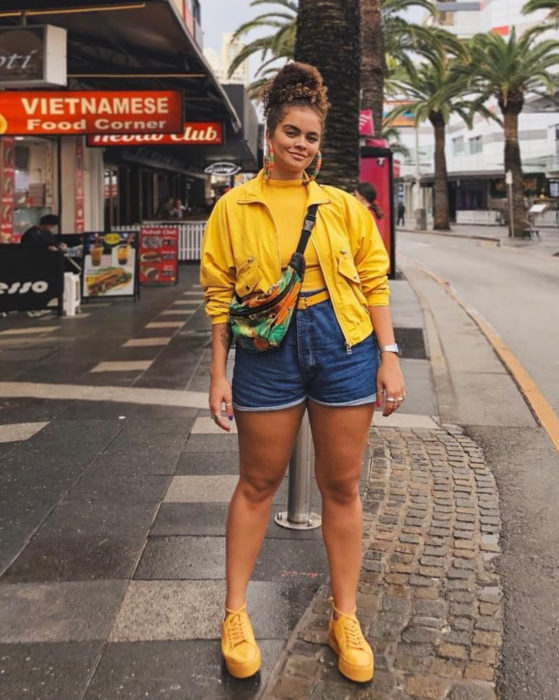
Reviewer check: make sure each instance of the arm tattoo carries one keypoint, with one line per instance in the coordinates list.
(226, 336)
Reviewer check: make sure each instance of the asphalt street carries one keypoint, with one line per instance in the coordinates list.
(515, 290)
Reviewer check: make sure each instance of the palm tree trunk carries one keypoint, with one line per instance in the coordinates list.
(514, 164)
(441, 220)
(328, 38)
(372, 61)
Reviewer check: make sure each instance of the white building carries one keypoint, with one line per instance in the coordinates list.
(475, 158)
(220, 64)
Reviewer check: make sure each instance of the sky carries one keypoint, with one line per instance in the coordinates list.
(219, 16)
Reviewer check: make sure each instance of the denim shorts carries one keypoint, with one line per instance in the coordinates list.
(312, 362)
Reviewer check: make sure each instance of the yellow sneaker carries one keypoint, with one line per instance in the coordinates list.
(355, 656)
(238, 646)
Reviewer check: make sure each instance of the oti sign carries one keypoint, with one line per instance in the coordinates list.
(90, 112)
(32, 56)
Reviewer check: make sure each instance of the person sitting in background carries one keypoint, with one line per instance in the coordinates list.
(167, 209)
(44, 234)
(366, 193)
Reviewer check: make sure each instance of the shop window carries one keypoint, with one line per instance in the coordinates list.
(458, 145)
(476, 145)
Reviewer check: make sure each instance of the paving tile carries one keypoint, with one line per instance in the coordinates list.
(201, 489)
(404, 420)
(58, 612)
(49, 671)
(186, 302)
(166, 434)
(167, 610)
(204, 425)
(184, 669)
(200, 294)
(81, 542)
(165, 324)
(104, 410)
(190, 519)
(125, 366)
(184, 557)
(14, 432)
(212, 443)
(31, 330)
(130, 464)
(208, 463)
(176, 312)
(147, 342)
(123, 489)
(27, 409)
(176, 558)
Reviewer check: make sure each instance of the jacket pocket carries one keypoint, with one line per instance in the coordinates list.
(249, 275)
(346, 267)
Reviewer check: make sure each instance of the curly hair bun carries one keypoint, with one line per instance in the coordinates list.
(296, 83)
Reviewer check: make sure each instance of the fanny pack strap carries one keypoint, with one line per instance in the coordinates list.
(308, 224)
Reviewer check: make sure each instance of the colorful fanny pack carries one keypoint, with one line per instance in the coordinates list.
(260, 321)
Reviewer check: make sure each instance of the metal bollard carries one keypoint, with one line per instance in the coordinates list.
(298, 515)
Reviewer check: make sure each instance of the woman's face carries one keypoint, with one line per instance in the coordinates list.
(295, 141)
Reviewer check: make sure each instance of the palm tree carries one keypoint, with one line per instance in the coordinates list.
(273, 47)
(508, 70)
(328, 38)
(551, 5)
(436, 89)
(384, 32)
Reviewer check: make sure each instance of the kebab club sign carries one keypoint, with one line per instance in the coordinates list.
(91, 112)
(193, 134)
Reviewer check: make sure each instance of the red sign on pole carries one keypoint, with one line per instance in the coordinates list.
(79, 208)
(159, 254)
(7, 178)
(91, 112)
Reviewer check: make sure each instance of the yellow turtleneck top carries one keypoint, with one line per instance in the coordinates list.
(287, 202)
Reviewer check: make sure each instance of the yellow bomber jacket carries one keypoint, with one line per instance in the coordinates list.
(240, 254)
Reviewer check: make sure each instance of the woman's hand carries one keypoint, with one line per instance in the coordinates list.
(390, 383)
(221, 402)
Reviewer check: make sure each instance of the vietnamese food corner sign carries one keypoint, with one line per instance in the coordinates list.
(91, 112)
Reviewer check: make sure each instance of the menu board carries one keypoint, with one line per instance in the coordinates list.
(110, 264)
(159, 253)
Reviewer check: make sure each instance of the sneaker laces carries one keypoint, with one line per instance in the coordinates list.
(238, 628)
(352, 630)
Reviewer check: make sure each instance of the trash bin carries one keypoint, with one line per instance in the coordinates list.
(421, 219)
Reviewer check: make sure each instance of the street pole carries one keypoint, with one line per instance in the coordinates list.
(508, 180)
(298, 515)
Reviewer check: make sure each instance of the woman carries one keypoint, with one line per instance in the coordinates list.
(327, 363)
(366, 193)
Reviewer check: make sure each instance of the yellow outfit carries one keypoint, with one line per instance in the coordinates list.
(288, 220)
(241, 253)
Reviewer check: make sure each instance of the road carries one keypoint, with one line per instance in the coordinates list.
(514, 290)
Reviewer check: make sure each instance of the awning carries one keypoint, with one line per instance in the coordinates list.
(127, 45)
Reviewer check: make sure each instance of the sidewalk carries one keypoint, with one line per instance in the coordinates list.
(546, 244)
(114, 492)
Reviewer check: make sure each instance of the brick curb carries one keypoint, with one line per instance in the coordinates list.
(430, 600)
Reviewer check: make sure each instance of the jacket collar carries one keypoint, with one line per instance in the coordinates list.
(254, 192)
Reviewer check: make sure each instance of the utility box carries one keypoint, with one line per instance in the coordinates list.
(421, 219)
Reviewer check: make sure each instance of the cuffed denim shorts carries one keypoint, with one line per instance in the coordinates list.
(312, 362)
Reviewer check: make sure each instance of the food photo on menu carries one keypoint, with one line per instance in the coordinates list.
(109, 265)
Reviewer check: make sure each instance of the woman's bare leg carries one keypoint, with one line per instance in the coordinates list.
(266, 441)
(340, 437)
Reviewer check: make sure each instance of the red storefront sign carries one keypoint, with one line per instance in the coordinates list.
(91, 112)
(79, 204)
(159, 254)
(7, 195)
(194, 134)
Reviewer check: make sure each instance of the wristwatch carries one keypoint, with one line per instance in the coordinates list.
(390, 348)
